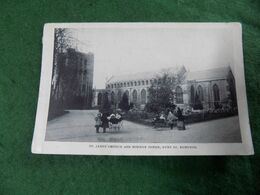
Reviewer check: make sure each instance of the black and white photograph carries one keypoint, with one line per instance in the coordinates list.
(152, 87)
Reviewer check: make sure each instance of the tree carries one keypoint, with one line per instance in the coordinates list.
(124, 103)
(198, 105)
(105, 104)
(161, 92)
(62, 41)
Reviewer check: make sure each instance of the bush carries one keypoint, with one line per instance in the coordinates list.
(141, 117)
(146, 118)
(209, 115)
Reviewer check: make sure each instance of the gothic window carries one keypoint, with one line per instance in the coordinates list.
(142, 82)
(147, 82)
(99, 99)
(119, 96)
(112, 97)
(139, 83)
(127, 93)
(179, 95)
(83, 88)
(200, 93)
(135, 96)
(216, 93)
(192, 95)
(143, 96)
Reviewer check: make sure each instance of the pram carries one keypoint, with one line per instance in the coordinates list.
(157, 123)
(115, 123)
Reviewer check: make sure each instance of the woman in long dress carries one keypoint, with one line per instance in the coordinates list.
(171, 118)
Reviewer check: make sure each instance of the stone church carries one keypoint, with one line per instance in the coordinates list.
(205, 89)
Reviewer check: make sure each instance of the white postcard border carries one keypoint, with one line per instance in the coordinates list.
(40, 146)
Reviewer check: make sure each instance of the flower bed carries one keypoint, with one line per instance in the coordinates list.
(146, 118)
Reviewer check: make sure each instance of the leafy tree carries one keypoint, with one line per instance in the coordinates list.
(198, 104)
(124, 103)
(161, 92)
(62, 41)
(105, 104)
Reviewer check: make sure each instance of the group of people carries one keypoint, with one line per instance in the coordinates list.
(106, 120)
(172, 118)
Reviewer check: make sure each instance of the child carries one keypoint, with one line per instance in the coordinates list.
(98, 122)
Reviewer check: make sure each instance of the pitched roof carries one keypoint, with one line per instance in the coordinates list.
(210, 74)
(202, 75)
(143, 75)
(131, 77)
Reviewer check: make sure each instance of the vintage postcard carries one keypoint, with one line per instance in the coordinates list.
(142, 89)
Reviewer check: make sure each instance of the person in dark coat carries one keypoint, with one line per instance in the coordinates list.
(180, 122)
(104, 120)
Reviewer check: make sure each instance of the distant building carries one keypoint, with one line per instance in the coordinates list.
(98, 97)
(76, 79)
(206, 89)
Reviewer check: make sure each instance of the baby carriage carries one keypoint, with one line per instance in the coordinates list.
(159, 121)
(115, 122)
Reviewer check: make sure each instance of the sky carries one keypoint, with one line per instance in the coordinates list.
(130, 50)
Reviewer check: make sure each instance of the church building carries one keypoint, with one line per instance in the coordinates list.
(205, 89)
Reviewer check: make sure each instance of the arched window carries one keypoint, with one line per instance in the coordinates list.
(200, 93)
(112, 97)
(192, 95)
(139, 83)
(147, 82)
(99, 99)
(143, 96)
(216, 93)
(119, 96)
(142, 82)
(127, 93)
(179, 95)
(134, 96)
(135, 83)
